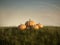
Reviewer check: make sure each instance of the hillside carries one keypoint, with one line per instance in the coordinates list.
(49, 35)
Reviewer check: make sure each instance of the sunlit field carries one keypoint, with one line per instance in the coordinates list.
(48, 35)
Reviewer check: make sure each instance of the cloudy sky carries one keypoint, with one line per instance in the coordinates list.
(15, 12)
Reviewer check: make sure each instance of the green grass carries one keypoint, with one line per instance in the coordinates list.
(49, 35)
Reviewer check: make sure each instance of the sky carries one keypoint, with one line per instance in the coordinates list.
(15, 12)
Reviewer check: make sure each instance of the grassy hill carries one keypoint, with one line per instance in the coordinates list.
(49, 35)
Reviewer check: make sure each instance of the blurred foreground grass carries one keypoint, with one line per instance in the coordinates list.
(48, 35)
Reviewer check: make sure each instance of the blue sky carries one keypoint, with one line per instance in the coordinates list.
(46, 12)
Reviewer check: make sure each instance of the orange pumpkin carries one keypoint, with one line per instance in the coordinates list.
(22, 27)
(40, 25)
(36, 27)
(30, 23)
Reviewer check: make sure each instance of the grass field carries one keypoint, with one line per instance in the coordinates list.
(49, 35)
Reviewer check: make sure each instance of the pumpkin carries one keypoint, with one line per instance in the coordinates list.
(40, 25)
(22, 27)
(30, 23)
(36, 27)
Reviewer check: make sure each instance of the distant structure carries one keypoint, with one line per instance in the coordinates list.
(30, 25)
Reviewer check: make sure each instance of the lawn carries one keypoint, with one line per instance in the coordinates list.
(49, 35)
